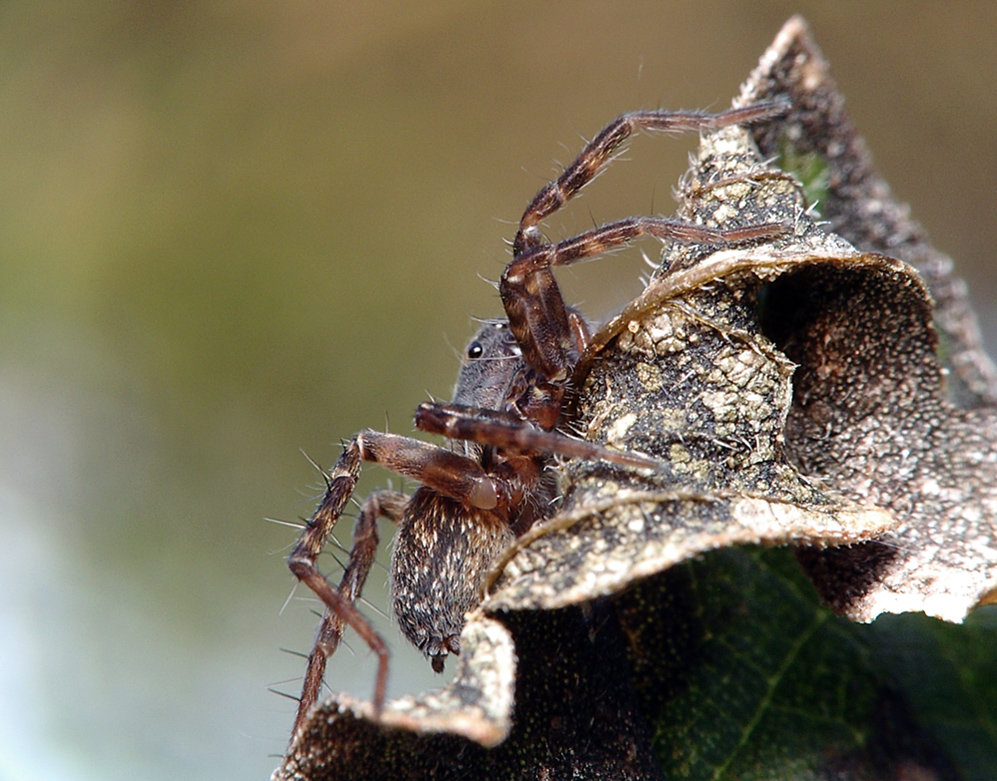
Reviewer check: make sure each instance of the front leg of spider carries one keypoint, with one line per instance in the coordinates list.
(542, 324)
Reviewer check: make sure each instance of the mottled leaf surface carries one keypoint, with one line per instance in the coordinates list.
(883, 413)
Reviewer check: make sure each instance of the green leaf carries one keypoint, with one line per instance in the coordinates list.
(744, 675)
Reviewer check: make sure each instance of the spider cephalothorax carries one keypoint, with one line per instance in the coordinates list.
(492, 481)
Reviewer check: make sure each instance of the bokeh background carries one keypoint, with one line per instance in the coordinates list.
(232, 231)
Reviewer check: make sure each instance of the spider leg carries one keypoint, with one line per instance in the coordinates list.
(599, 151)
(537, 314)
(340, 484)
(389, 504)
(510, 432)
(458, 477)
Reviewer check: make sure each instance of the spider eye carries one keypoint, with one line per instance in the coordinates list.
(474, 350)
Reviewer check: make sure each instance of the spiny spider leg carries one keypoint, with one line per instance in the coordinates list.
(599, 151)
(454, 476)
(339, 488)
(389, 504)
(508, 431)
(537, 314)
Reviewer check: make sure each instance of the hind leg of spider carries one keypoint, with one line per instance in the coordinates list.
(389, 504)
(453, 475)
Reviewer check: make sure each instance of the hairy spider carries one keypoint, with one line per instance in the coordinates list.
(491, 482)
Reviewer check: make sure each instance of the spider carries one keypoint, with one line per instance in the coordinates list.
(491, 482)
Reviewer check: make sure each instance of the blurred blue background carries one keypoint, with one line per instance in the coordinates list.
(231, 232)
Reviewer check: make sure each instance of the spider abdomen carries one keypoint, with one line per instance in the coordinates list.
(442, 551)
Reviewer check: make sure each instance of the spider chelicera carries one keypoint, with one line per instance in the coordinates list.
(491, 481)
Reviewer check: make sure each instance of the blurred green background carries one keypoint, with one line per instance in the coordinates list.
(231, 232)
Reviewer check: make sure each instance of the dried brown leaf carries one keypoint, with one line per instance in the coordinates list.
(881, 414)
